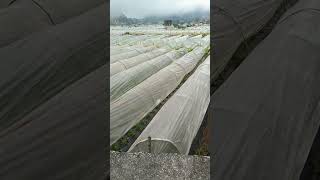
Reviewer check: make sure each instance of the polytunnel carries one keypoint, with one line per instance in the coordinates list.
(33, 69)
(121, 49)
(119, 38)
(50, 94)
(266, 115)
(126, 80)
(132, 40)
(125, 64)
(132, 53)
(131, 107)
(234, 21)
(4, 4)
(54, 141)
(115, 50)
(174, 127)
(145, 41)
(24, 17)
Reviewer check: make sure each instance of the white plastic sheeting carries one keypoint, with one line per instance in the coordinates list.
(174, 127)
(139, 44)
(160, 29)
(131, 107)
(122, 65)
(126, 80)
(115, 51)
(132, 53)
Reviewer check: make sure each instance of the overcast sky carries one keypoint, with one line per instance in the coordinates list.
(142, 8)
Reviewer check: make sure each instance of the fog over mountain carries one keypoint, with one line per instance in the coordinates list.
(140, 9)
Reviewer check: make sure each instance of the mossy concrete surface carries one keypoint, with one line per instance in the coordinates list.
(146, 166)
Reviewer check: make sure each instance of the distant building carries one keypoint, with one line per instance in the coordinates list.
(167, 23)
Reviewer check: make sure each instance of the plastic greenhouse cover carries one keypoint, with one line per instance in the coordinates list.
(124, 49)
(4, 3)
(126, 80)
(126, 38)
(130, 54)
(149, 40)
(62, 10)
(174, 127)
(54, 141)
(36, 68)
(145, 41)
(24, 17)
(122, 65)
(266, 115)
(233, 22)
(133, 40)
(159, 29)
(138, 44)
(113, 40)
(132, 106)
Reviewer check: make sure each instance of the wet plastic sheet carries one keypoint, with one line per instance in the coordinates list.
(174, 127)
(266, 115)
(126, 80)
(132, 106)
(36, 68)
(234, 21)
(54, 141)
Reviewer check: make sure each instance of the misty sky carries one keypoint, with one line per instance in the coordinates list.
(142, 8)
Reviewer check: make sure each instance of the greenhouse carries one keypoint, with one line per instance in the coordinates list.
(174, 127)
(270, 106)
(234, 24)
(126, 80)
(131, 107)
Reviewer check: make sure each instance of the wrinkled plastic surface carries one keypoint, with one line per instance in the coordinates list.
(5, 3)
(174, 127)
(132, 106)
(132, 53)
(24, 17)
(266, 115)
(54, 141)
(122, 65)
(126, 80)
(62, 10)
(36, 68)
(233, 22)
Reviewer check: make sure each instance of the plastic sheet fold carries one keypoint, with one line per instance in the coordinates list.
(266, 115)
(233, 22)
(131, 107)
(39, 66)
(176, 124)
(25, 17)
(132, 53)
(125, 64)
(126, 80)
(54, 141)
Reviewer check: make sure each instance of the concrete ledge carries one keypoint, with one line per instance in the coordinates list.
(147, 166)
